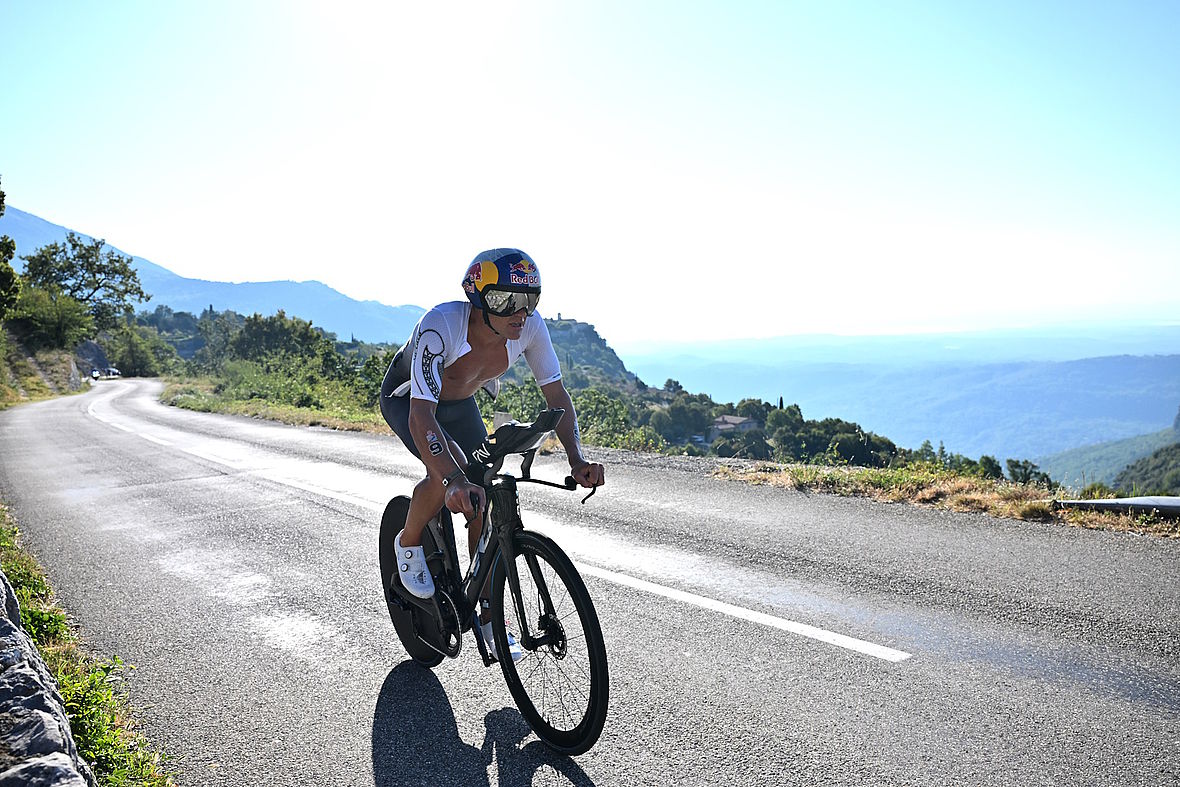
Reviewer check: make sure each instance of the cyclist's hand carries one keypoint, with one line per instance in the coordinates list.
(458, 498)
(590, 474)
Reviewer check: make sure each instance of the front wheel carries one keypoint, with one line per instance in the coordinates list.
(560, 684)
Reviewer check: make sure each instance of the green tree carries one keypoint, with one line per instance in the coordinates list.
(725, 446)
(925, 453)
(217, 331)
(851, 447)
(265, 337)
(787, 445)
(369, 377)
(9, 280)
(600, 414)
(1025, 472)
(688, 415)
(103, 280)
(523, 402)
(139, 351)
(989, 467)
(754, 408)
(661, 422)
(50, 320)
(785, 418)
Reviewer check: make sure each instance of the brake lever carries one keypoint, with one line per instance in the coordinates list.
(571, 485)
(475, 507)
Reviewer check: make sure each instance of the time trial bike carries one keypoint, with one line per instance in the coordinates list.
(560, 683)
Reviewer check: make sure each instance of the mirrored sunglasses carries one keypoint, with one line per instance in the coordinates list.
(505, 302)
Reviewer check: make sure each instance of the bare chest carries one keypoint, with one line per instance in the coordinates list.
(464, 377)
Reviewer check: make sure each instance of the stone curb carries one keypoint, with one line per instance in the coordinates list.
(36, 746)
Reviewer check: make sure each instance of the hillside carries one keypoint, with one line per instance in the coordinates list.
(1101, 463)
(1158, 474)
(586, 359)
(323, 306)
(28, 377)
(1020, 409)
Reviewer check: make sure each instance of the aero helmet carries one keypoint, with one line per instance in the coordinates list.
(502, 282)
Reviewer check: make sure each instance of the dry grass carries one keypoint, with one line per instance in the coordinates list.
(928, 485)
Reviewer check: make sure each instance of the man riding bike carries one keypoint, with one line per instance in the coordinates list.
(428, 398)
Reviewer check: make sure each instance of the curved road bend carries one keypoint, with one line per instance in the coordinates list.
(756, 635)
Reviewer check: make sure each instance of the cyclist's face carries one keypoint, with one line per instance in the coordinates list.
(511, 326)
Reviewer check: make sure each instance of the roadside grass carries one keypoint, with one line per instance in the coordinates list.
(335, 412)
(91, 686)
(938, 487)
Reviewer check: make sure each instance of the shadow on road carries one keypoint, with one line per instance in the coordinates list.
(416, 741)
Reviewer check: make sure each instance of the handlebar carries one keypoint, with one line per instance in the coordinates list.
(518, 438)
(569, 485)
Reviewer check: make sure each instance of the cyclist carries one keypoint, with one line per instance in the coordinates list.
(428, 398)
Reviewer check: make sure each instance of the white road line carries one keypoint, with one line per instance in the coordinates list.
(802, 629)
(155, 440)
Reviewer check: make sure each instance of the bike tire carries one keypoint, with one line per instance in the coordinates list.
(562, 689)
(405, 622)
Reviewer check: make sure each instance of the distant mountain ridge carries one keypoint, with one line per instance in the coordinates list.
(311, 300)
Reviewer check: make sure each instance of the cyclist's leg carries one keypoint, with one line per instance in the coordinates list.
(425, 501)
(465, 431)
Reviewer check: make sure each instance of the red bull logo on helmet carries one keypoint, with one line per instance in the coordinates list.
(524, 273)
(479, 275)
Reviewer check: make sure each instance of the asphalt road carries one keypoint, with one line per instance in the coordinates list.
(755, 635)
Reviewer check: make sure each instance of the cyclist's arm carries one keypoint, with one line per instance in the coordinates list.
(586, 473)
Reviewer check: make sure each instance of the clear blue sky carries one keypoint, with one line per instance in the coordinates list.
(677, 169)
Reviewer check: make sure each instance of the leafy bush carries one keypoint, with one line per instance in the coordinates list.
(138, 351)
(283, 380)
(48, 319)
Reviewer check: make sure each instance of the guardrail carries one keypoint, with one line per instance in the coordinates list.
(1163, 506)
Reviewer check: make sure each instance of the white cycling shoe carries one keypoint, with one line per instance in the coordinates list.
(485, 630)
(411, 569)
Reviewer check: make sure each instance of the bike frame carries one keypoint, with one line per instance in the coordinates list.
(501, 522)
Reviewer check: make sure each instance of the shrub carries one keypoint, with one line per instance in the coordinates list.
(1098, 491)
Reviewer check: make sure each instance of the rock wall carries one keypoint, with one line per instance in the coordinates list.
(36, 746)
